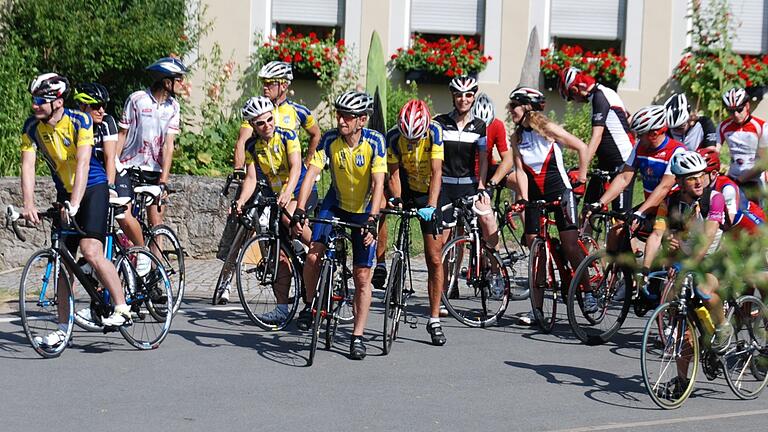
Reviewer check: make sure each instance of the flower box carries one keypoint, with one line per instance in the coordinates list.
(440, 61)
(606, 66)
(311, 57)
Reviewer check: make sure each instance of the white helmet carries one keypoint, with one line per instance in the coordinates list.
(677, 110)
(464, 83)
(257, 106)
(353, 102)
(483, 108)
(687, 162)
(275, 70)
(49, 86)
(648, 119)
(735, 97)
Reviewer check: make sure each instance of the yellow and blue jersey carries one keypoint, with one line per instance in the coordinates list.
(416, 158)
(352, 168)
(290, 115)
(271, 158)
(58, 146)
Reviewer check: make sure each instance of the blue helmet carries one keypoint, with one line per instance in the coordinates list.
(167, 67)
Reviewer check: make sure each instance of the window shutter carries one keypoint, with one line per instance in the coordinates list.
(588, 19)
(463, 17)
(308, 12)
(750, 22)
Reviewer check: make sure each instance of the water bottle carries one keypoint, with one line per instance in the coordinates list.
(706, 319)
(85, 266)
(264, 218)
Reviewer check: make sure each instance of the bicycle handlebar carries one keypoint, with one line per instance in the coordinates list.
(336, 223)
(12, 218)
(407, 212)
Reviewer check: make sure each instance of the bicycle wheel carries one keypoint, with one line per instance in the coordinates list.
(609, 285)
(227, 272)
(40, 304)
(319, 306)
(474, 299)
(517, 291)
(543, 280)
(746, 361)
(85, 317)
(150, 300)
(393, 301)
(669, 357)
(166, 246)
(268, 282)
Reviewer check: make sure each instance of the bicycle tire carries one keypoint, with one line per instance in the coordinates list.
(151, 317)
(257, 282)
(474, 305)
(605, 279)
(745, 363)
(171, 256)
(546, 314)
(517, 292)
(663, 337)
(393, 301)
(319, 305)
(40, 317)
(227, 272)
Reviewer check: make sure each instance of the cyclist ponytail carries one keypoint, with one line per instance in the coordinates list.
(536, 121)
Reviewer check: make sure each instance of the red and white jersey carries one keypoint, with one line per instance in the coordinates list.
(543, 164)
(743, 140)
(148, 123)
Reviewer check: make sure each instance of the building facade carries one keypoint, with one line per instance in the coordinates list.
(652, 34)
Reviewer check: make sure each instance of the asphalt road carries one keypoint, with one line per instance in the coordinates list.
(216, 371)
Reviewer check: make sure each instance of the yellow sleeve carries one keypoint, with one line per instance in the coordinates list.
(378, 159)
(26, 144)
(249, 158)
(245, 125)
(292, 144)
(309, 122)
(318, 159)
(437, 151)
(85, 136)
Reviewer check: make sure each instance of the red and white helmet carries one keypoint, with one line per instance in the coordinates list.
(650, 118)
(413, 120)
(735, 97)
(528, 96)
(464, 83)
(49, 86)
(572, 77)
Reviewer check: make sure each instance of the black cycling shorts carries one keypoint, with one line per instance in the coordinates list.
(449, 193)
(595, 190)
(563, 223)
(91, 216)
(124, 185)
(419, 200)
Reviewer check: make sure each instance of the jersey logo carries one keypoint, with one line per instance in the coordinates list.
(67, 142)
(597, 117)
(286, 119)
(359, 160)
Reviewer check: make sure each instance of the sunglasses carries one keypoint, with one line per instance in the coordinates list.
(694, 178)
(347, 116)
(39, 100)
(97, 106)
(262, 123)
(466, 95)
(271, 83)
(737, 109)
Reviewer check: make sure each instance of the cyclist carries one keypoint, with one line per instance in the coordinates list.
(741, 213)
(276, 77)
(611, 140)
(358, 165)
(747, 141)
(148, 129)
(415, 160)
(694, 216)
(650, 158)
(93, 99)
(500, 162)
(275, 154)
(64, 139)
(540, 173)
(688, 127)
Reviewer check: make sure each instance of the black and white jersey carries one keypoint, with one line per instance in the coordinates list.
(103, 132)
(702, 134)
(461, 147)
(608, 111)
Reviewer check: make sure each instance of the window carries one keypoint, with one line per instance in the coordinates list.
(596, 24)
(448, 17)
(306, 16)
(749, 17)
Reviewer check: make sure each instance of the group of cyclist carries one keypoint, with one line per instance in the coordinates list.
(424, 162)
(89, 156)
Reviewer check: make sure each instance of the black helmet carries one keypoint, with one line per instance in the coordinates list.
(91, 93)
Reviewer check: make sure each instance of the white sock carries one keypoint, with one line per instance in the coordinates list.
(434, 320)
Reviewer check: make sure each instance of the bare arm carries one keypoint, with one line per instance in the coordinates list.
(248, 186)
(652, 246)
(658, 194)
(394, 180)
(594, 142)
(377, 192)
(306, 186)
(522, 179)
(122, 134)
(81, 174)
(708, 236)
(759, 167)
(505, 166)
(294, 161)
(619, 183)
(167, 157)
(109, 160)
(28, 159)
(435, 182)
(483, 163)
(314, 139)
(242, 137)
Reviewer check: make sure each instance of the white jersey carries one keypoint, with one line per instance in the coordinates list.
(148, 123)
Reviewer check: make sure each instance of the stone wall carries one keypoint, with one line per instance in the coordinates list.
(197, 212)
